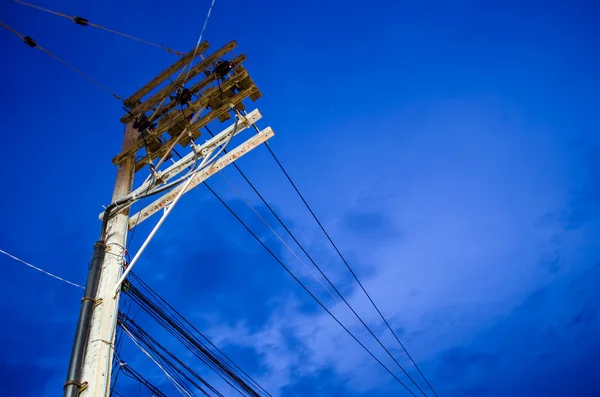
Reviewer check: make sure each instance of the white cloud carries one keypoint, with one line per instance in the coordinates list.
(471, 188)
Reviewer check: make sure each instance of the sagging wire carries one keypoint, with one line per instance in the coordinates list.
(288, 270)
(347, 305)
(243, 198)
(174, 323)
(170, 361)
(157, 307)
(41, 270)
(175, 383)
(33, 44)
(84, 22)
(135, 375)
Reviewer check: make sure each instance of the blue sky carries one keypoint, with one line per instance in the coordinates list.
(450, 148)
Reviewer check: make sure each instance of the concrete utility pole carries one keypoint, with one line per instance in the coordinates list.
(97, 364)
(177, 112)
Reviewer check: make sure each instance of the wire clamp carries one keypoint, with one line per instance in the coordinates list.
(29, 41)
(94, 301)
(80, 386)
(80, 21)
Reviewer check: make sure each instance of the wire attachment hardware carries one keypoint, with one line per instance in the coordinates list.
(80, 21)
(29, 41)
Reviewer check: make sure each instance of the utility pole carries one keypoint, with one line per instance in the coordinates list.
(97, 364)
(155, 110)
(99, 342)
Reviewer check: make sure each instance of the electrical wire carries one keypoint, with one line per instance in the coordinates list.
(41, 270)
(307, 290)
(241, 196)
(135, 375)
(207, 161)
(350, 269)
(175, 383)
(199, 41)
(84, 22)
(175, 324)
(186, 324)
(346, 303)
(170, 361)
(32, 43)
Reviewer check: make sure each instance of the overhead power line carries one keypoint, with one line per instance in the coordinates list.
(194, 341)
(84, 22)
(347, 304)
(136, 376)
(349, 267)
(187, 325)
(32, 43)
(280, 262)
(42, 270)
(175, 383)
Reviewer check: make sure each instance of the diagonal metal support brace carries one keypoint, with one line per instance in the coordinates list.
(200, 177)
(187, 160)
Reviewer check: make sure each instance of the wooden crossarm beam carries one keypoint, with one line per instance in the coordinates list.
(172, 87)
(196, 88)
(155, 82)
(168, 122)
(186, 161)
(177, 116)
(201, 176)
(223, 109)
(195, 128)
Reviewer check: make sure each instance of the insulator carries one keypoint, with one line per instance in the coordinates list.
(80, 21)
(29, 41)
(222, 68)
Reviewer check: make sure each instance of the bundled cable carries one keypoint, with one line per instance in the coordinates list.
(129, 372)
(190, 338)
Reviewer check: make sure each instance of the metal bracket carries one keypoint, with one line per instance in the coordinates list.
(180, 165)
(201, 176)
(80, 386)
(83, 386)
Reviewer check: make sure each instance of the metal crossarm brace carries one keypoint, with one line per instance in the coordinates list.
(201, 176)
(187, 160)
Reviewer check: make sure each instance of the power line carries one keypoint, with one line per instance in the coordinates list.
(282, 240)
(84, 22)
(349, 268)
(175, 383)
(175, 326)
(347, 304)
(42, 270)
(135, 375)
(176, 367)
(184, 321)
(32, 43)
(306, 289)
